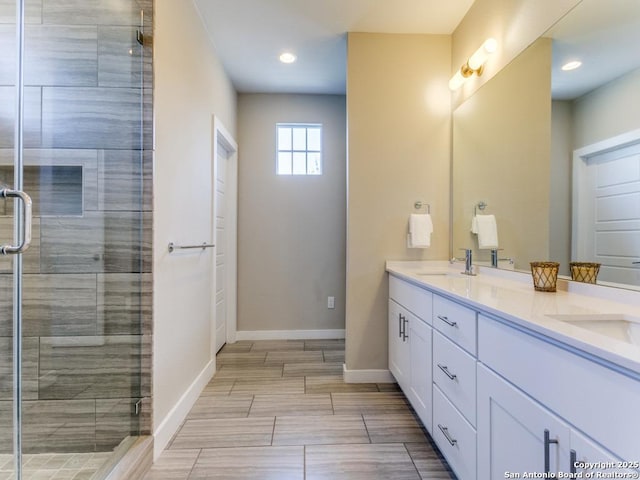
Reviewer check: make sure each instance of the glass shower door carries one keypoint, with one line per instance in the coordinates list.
(81, 352)
(15, 239)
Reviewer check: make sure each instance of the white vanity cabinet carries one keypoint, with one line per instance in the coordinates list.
(410, 344)
(454, 389)
(592, 406)
(398, 348)
(511, 431)
(500, 397)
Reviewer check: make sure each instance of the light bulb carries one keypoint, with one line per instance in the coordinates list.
(482, 54)
(287, 57)
(571, 65)
(456, 81)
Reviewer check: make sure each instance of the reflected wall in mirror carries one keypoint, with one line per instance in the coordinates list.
(515, 139)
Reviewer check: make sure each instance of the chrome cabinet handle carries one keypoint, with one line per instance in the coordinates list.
(404, 329)
(447, 321)
(445, 432)
(635, 263)
(573, 457)
(399, 325)
(447, 372)
(26, 221)
(547, 456)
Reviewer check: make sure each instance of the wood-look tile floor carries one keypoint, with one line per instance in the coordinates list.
(279, 410)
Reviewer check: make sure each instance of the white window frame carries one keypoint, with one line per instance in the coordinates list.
(293, 151)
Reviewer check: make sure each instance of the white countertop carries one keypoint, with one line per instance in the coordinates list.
(511, 296)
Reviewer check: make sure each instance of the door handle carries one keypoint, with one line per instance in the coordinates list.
(547, 442)
(26, 223)
(404, 329)
(573, 457)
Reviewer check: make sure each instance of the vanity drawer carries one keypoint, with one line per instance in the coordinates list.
(415, 299)
(599, 401)
(454, 371)
(455, 437)
(456, 322)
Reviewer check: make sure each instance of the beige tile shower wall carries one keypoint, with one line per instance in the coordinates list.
(501, 144)
(291, 229)
(398, 108)
(515, 24)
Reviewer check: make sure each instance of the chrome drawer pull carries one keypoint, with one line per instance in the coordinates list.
(447, 372)
(445, 432)
(573, 458)
(447, 321)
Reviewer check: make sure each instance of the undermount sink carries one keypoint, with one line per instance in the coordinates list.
(616, 326)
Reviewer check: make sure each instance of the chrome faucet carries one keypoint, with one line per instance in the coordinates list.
(495, 259)
(468, 261)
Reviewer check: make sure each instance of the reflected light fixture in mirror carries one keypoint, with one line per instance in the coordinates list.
(475, 64)
(287, 57)
(567, 67)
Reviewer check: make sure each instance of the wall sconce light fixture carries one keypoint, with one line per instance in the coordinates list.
(475, 64)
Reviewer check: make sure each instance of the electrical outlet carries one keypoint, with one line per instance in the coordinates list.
(331, 302)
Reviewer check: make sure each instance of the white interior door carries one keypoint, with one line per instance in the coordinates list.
(609, 230)
(221, 245)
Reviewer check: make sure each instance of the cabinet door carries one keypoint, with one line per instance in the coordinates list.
(419, 338)
(585, 453)
(511, 431)
(398, 346)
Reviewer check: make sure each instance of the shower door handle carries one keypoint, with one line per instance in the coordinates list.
(26, 223)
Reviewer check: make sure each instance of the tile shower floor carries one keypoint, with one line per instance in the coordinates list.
(280, 410)
(55, 466)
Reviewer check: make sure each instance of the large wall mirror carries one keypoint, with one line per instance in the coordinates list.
(554, 153)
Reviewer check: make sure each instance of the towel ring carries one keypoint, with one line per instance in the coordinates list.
(481, 206)
(418, 205)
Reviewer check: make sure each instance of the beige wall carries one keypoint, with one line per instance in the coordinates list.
(501, 155)
(291, 229)
(515, 24)
(560, 189)
(190, 87)
(608, 111)
(398, 152)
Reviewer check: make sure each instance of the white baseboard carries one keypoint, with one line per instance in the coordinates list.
(171, 423)
(289, 334)
(366, 376)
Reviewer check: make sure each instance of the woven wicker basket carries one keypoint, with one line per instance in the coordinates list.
(585, 272)
(545, 276)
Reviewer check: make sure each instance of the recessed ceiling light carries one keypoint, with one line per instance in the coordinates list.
(287, 57)
(571, 65)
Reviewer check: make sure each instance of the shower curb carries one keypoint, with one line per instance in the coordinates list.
(135, 463)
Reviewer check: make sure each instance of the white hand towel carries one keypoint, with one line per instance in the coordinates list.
(487, 231)
(420, 230)
(474, 224)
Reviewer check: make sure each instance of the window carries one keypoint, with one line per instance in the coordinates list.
(299, 149)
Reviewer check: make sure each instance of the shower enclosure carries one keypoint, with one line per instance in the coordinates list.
(75, 307)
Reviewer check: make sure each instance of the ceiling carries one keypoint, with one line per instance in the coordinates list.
(604, 35)
(249, 35)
